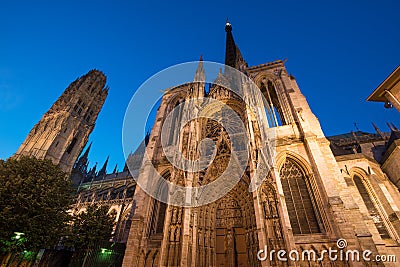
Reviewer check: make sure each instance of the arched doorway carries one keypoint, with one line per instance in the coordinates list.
(231, 249)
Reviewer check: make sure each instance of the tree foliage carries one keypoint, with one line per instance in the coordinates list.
(91, 227)
(35, 196)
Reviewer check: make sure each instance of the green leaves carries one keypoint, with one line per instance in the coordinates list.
(35, 196)
(91, 227)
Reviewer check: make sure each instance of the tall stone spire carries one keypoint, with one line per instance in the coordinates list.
(82, 162)
(233, 57)
(200, 74)
(103, 170)
(91, 174)
(86, 154)
(80, 171)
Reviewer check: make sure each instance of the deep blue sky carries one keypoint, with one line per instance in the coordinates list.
(338, 51)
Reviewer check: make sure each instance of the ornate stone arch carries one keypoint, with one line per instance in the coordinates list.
(272, 89)
(304, 163)
(371, 201)
(238, 105)
(235, 227)
(300, 194)
(226, 230)
(265, 76)
(176, 99)
(358, 171)
(170, 101)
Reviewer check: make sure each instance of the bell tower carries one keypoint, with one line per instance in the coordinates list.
(64, 129)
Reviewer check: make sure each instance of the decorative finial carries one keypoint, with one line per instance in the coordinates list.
(390, 126)
(228, 26)
(355, 126)
(378, 131)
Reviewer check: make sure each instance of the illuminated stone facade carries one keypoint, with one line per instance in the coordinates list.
(318, 191)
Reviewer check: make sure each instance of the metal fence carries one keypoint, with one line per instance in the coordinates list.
(104, 255)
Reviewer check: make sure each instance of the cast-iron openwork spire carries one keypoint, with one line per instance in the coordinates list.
(233, 57)
(230, 50)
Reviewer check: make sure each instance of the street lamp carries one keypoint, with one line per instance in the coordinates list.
(105, 251)
(18, 235)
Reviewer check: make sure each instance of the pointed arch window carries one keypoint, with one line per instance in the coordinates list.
(158, 217)
(274, 111)
(175, 122)
(372, 209)
(159, 209)
(299, 198)
(71, 145)
(161, 217)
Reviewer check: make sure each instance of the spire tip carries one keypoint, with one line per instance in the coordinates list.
(228, 26)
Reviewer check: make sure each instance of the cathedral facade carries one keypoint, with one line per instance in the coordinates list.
(320, 193)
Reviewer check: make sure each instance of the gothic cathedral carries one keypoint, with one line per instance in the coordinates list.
(318, 191)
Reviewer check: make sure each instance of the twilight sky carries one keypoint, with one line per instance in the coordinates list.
(339, 52)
